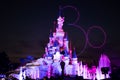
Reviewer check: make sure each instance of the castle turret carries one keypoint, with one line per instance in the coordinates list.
(66, 45)
(59, 30)
(66, 53)
(49, 58)
(60, 19)
(66, 57)
(74, 57)
(75, 64)
(66, 36)
(46, 51)
(50, 44)
(70, 50)
(56, 43)
(50, 36)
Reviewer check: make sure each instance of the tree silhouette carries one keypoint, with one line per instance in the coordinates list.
(4, 62)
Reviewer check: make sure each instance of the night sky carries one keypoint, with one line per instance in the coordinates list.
(25, 26)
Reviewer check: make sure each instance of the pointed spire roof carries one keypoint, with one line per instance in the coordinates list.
(66, 36)
(74, 54)
(65, 53)
(49, 55)
(60, 18)
(56, 43)
(50, 35)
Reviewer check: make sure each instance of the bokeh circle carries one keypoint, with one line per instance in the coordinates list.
(81, 29)
(75, 9)
(104, 33)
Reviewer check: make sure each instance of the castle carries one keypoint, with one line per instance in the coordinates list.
(57, 51)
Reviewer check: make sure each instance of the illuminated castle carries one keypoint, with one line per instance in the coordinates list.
(57, 51)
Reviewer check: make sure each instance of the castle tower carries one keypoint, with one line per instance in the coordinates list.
(59, 30)
(66, 41)
(74, 57)
(74, 64)
(49, 57)
(49, 61)
(66, 57)
(70, 50)
(50, 36)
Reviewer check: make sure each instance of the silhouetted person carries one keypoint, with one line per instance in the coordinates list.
(62, 63)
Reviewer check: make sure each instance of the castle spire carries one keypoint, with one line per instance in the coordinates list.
(65, 53)
(60, 19)
(66, 36)
(70, 45)
(50, 35)
(60, 11)
(70, 49)
(74, 54)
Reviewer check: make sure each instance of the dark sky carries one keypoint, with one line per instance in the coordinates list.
(25, 25)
